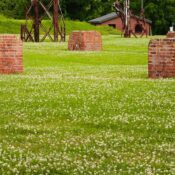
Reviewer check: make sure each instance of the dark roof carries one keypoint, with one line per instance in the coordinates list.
(147, 20)
(104, 18)
(110, 16)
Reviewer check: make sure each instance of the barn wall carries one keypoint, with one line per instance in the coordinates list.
(134, 23)
(118, 23)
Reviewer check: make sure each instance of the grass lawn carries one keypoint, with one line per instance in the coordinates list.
(87, 113)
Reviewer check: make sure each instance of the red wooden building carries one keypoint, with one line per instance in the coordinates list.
(113, 20)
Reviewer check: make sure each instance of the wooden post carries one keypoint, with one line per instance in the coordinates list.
(36, 20)
(33, 13)
(55, 20)
(141, 4)
(127, 18)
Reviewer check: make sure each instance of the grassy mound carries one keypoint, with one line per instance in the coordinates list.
(9, 25)
(77, 25)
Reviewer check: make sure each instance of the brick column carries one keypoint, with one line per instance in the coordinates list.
(11, 56)
(161, 63)
(85, 41)
(171, 35)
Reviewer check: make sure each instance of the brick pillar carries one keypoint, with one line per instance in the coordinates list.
(170, 35)
(85, 41)
(11, 57)
(161, 63)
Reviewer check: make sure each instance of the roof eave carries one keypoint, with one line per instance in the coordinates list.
(94, 22)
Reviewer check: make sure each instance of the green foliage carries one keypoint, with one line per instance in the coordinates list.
(78, 113)
(14, 9)
(160, 12)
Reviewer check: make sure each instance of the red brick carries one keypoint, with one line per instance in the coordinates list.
(161, 62)
(11, 54)
(171, 35)
(85, 41)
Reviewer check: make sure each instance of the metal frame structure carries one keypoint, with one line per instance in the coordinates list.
(34, 25)
(124, 11)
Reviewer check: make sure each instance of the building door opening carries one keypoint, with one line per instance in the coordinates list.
(112, 25)
(138, 29)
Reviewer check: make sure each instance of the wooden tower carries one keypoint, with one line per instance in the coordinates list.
(36, 30)
(124, 11)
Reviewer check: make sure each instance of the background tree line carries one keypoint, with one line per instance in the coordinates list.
(161, 12)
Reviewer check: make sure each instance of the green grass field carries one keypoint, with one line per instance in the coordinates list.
(87, 113)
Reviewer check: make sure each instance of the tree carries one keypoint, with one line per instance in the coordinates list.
(161, 12)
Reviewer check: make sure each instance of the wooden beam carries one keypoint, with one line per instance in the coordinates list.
(36, 20)
(55, 19)
(45, 9)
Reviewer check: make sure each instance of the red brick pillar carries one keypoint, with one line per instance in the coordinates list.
(11, 56)
(85, 41)
(161, 62)
(171, 35)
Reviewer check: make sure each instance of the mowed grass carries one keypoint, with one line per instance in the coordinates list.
(87, 113)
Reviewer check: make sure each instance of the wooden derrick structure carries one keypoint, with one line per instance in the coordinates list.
(125, 13)
(34, 29)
